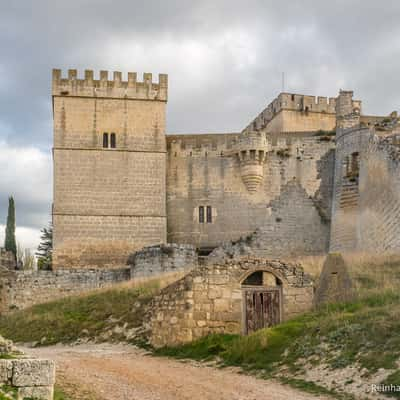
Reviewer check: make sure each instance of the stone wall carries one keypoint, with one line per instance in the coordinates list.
(33, 378)
(346, 195)
(156, 261)
(205, 171)
(22, 289)
(293, 227)
(379, 205)
(107, 201)
(24, 377)
(210, 300)
(366, 202)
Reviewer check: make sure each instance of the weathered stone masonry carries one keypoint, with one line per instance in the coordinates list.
(109, 198)
(121, 184)
(156, 261)
(210, 300)
(21, 289)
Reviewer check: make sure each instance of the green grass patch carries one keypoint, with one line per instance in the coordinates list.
(71, 318)
(59, 394)
(313, 388)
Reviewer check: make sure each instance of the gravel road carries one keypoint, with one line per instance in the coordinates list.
(122, 372)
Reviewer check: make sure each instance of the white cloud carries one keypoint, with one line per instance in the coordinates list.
(26, 175)
(28, 238)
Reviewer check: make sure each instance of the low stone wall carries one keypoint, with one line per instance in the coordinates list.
(33, 378)
(22, 289)
(162, 259)
(210, 299)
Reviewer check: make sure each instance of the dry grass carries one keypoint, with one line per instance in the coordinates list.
(371, 273)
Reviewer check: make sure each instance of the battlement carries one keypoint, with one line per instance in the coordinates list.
(294, 102)
(228, 145)
(115, 88)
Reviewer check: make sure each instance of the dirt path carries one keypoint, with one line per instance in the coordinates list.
(119, 372)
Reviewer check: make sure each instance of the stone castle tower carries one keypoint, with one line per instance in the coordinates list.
(109, 167)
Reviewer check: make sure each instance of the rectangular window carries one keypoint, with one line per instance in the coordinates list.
(105, 140)
(113, 141)
(209, 214)
(201, 214)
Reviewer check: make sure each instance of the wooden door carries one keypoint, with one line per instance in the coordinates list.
(262, 309)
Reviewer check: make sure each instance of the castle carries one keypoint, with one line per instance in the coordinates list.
(307, 175)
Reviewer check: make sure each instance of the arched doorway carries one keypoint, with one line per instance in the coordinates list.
(262, 300)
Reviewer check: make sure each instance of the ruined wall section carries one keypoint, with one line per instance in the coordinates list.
(294, 226)
(207, 172)
(107, 201)
(156, 261)
(22, 289)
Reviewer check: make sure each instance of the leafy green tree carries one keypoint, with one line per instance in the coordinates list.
(10, 243)
(45, 249)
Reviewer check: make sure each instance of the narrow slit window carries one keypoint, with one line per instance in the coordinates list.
(105, 140)
(209, 214)
(201, 214)
(113, 141)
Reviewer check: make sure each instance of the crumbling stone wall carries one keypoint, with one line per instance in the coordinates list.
(204, 170)
(210, 300)
(294, 226)
(155, 261)
(22, 289)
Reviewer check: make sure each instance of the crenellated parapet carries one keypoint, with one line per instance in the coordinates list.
(303, 104)
(115, 88)
(292, 102)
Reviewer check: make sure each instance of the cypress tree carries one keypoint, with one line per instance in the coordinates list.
(10, 243)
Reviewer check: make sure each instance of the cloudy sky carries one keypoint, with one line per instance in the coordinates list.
(224, 60)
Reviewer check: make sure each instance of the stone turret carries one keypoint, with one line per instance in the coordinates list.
(347, 110)
(251, 150)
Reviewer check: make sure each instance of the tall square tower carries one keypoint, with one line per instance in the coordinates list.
(109, 167)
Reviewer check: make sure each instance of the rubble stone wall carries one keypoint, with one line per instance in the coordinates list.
(210, 300)
(169, 258)
(22, 289)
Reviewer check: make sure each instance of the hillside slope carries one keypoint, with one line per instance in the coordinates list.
(341, 348)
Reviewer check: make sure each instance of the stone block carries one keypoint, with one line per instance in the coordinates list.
(36, 392)
(214, 293)
(30, 372)
(221, 305)
(5, 370)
